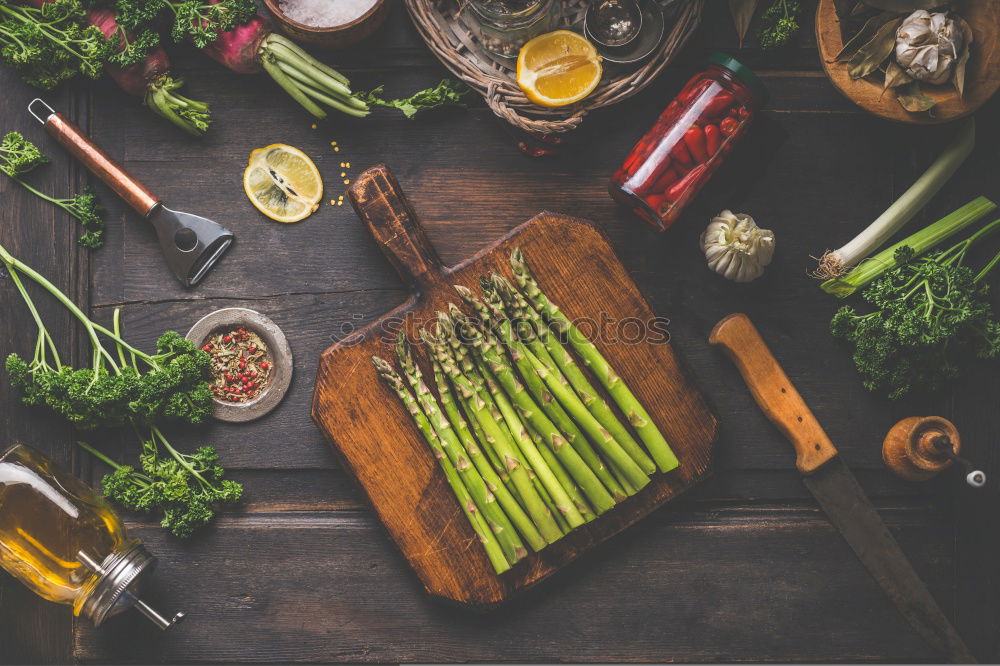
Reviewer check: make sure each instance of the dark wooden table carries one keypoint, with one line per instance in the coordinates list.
(744, 568)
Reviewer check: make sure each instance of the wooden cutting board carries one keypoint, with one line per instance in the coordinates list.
(378, 443)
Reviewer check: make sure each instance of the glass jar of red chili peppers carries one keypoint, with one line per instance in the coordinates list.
(689, 141)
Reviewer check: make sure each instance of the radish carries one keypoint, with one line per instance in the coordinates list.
(149, 78)
(252, 45)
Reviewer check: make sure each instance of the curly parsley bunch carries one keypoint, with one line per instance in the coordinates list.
(931, 318)
(187, 488)
(52, 43)
(126, 386)
(18, 156)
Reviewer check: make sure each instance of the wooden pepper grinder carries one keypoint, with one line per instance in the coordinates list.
(920, 447)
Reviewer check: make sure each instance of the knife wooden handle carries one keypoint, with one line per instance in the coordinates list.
(100, 164)
(770, 387)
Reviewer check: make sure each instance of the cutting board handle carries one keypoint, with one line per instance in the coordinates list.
(380, 202)
(772, 390)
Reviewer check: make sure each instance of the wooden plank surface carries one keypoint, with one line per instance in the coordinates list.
(744, 568)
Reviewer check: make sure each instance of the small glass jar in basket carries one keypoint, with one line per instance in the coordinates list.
(689, 141)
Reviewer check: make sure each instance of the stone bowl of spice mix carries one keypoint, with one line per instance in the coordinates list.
(328, 24)
(251, 362)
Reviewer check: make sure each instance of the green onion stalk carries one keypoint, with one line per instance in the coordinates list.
(838, 262)
(923, 240)
(251, 46)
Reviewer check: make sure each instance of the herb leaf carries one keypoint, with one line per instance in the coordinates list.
(446, 93)
(871, 56)
(911, 98)
(742, 12)
(864, 36)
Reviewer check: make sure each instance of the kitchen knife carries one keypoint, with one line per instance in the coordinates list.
(191, 244)
(827, 477)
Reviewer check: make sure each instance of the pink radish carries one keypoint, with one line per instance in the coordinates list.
(253, 46)
(149, 79)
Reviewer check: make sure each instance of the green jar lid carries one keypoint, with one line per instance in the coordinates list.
(742, 71)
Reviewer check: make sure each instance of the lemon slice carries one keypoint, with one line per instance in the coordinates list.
(558, 68)
(283, 183)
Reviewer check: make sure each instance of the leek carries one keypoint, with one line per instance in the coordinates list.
(920, 242)
(838, 262)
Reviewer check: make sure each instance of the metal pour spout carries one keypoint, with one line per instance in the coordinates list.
(113, 592)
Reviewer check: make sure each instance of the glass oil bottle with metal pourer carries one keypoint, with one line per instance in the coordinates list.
(62, 540)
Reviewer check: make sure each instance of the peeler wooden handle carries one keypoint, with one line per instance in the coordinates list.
(96, 160)
(770, 387)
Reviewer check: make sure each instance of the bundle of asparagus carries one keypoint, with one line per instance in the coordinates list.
(525, 440)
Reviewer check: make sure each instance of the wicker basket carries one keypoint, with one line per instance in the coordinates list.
(447, 27)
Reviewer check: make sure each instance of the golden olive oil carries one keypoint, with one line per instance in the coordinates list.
(46, 520)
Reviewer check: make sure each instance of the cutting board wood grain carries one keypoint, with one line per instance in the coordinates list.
(378, 443)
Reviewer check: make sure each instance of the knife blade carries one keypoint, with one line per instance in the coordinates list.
(831, 482)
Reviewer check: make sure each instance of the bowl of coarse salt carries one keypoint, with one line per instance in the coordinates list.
(330, 24)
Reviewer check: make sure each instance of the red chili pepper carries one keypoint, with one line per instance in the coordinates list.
(668, 177)
(677, 189)
(693, 89)
(713, 139)
(680, 153)
(729, 125)
(694, 139)
(654, 201)
(718, 105)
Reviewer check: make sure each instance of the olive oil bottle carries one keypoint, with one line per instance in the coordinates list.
(63, 541)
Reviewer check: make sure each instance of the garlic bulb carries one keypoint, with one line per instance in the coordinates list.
(736, 247)
(927, 45)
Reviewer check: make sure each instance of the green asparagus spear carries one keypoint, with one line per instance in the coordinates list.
(491, 311)
(595, 431)
(489, 351)
(560, 498)
(565, 480)
(506, 490)
(469, 434)
(482, 494)
(544, 523)
(636, 414)
(490, 544)
(549, 350)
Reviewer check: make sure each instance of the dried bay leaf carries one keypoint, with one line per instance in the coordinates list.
(895, 75)
(958, 77)
(871, 56)
(863, 36)
(912, 99)
(742, 12)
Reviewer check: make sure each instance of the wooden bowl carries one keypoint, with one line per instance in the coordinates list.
(982, 76)
(337, 37)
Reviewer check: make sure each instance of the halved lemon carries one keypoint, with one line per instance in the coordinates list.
(558, 68)
(283, 183)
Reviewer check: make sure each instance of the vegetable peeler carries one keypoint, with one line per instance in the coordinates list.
(191, 244)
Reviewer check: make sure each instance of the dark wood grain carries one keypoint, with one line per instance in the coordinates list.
(742, 568)
(701, 586)
(382, 447)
